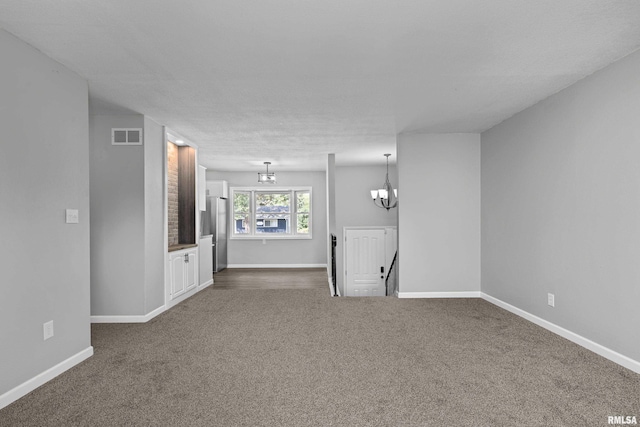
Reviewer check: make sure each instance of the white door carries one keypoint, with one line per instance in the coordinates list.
(365, 261)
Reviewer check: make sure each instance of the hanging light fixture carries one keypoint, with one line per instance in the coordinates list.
(267, 178)
(385, 197)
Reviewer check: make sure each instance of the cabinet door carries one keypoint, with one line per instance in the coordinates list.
(177, 273)
(191, 268)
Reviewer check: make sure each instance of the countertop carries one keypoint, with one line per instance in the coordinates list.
(179, 247)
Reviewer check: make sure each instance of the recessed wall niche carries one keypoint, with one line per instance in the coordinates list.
(181, 188)
(172, 190)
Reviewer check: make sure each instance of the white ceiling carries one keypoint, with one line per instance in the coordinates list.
(289, 81)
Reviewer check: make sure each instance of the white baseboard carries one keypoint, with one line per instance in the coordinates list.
(331, 288)
(205, 284)
(35, 382)
(144, 318)
(277, 266)
(461, 294)
(603, 351)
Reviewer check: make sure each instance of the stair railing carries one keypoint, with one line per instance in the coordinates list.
(392, 269)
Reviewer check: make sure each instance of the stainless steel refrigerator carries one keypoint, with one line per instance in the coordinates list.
(215, 223)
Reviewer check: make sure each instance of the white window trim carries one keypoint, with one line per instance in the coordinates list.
(293, 213)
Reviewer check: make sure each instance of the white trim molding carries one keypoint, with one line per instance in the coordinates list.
(205, 284)
(129, 318)
(28, 386)
(276, 266)
(459, 294)
(599, 349)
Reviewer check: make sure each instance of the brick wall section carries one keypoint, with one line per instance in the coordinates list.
(172, 172)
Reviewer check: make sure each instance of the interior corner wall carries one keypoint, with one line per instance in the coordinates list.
(439, 213)
(331, 206)
(284, 251)
(354, 207)
(154, 215)
(118, 219)
(44, 169)
(561, 208)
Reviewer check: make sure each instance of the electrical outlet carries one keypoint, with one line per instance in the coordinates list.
(48, 329)
(551, 300)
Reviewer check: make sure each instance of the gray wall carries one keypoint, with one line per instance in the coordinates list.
(561, 208)
(127, 226)
(439, 213)
(117, 226)
(313, 251)
(354, 207)
(44, 169)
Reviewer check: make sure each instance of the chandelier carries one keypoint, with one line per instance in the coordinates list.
(385, 197)
(267, 178)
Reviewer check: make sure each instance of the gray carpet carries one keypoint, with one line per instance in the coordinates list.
(302, 358)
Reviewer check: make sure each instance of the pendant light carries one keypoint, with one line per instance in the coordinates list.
(267, 178)
(385, 197)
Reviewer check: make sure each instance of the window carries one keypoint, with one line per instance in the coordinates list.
(276, 213)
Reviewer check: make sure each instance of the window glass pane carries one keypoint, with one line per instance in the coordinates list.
(241, 201)
(303, 223)
(272, 202)
(276, 213)
(273, 223)
(302, 201)
(241, 223)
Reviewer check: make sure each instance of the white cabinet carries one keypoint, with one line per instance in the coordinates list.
(183, 268)
(191, 272)
(206, 260)
(177, 269)
(218, 189)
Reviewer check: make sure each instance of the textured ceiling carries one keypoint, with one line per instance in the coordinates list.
(291, 80)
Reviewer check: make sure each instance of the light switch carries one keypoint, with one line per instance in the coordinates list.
(71, 216)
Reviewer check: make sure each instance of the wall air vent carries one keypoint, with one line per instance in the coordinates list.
(122, 136)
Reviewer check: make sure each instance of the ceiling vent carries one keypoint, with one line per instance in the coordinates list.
(126, 136)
